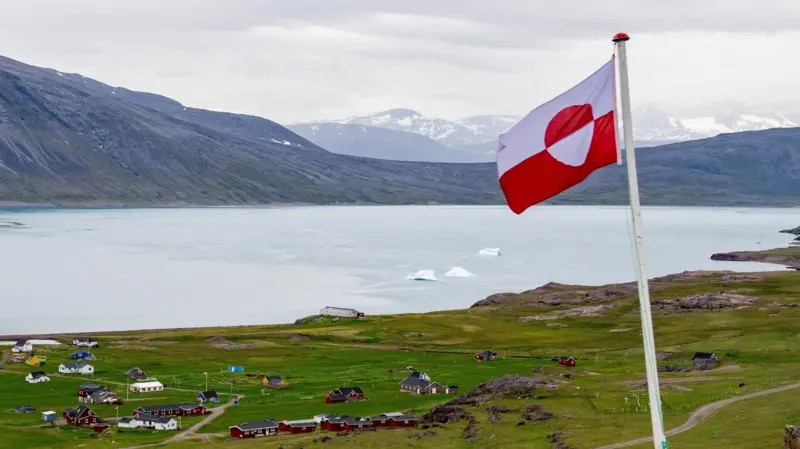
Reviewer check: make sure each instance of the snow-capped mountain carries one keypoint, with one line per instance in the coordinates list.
(476, 136)
(653, 126)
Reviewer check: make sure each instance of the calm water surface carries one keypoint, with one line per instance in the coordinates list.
(114, 269)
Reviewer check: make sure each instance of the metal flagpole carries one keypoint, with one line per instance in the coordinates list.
(653, 391)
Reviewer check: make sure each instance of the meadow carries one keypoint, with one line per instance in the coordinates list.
(600, 401)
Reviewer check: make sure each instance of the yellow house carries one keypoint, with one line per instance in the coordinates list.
(35, 360)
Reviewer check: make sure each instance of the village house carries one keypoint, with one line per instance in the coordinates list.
(146, 387)
(35, 360)
(81, 416)
(171, 410)
(24, 409)
(339, 312)
(22, 346)
(149, 422)
(86, 342)
(703, 361)
(136, 374)
(565, 361)
(97, 394)
(210, 396)
(255, 429)
(485, 356)
(346, 424)
(81, 355)
(76, 368)
(275, 381)
(345, 394)
(300, 426)
(394, 420)
(37, 377)
(420, 383)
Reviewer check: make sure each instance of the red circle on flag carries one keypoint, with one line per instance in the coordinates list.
(566, 122)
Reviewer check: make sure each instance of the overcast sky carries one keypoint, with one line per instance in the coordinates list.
(296, 60)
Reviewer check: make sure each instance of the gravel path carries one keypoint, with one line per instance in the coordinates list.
(701, 414)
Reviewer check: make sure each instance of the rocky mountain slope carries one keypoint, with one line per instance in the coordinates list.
(69, 139)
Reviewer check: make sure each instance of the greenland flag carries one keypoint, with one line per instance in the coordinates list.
(560, 143)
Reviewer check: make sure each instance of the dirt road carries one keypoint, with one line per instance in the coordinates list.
(191, 431)
(701, 414)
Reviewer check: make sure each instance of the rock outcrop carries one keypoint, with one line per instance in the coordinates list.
(705, 302)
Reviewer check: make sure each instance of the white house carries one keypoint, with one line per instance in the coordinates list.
(37, 377)
(149, 422)
(86, 342)
(340, 312)
(76, 368)
(143, 387)
(22, 346)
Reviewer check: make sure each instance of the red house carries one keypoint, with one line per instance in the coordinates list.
(380, 421)
(345, 394)
(485, 356)
(187, 409)
(347, 424)
(81, 416)
(403, 421)
(255, 429)
(565, 361)
(297, 426)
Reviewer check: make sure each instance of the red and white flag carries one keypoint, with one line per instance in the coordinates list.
(560, 143)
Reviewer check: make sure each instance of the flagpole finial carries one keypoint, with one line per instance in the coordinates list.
(620, 37)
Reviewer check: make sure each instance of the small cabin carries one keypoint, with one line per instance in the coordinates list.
(136, 374)
(340, 312)
(565, 361)
(255, 429)
(275, 381)
(703, 361)
(24, 409)
(37, 377)
(485, 356)
(86, 342)
(81, 416)
(210, 396)
(35, 360)
(345, 394)
(80, 367)
(22, 346)
(146, 387)
(81, 355)
(301, 426)
(49, 416)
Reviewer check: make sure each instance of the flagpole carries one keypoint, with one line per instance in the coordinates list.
(653, 390)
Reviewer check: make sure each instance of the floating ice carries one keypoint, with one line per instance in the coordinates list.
(490, 252)
(459, 272)
(423, 275)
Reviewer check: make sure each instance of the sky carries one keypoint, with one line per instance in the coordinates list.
(301, 60)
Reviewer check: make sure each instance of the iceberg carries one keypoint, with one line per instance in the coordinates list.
(459, 272)
(423, 275)
(490, 252)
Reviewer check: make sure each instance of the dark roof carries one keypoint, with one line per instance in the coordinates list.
(80, 364)
(487, 353)
(418, 375)
(381, 418)
(703, 355)
(415, 382)
(275, 379)
(347, 390)
(153, 418)
(24, 409)
(86, 339)
(77, 411)
(210, 394)
(355, 421)
(125, 420)
(255, 425)
(20, 342)
(451, 386)
(37, 374)
(99, 395)
(338, 397)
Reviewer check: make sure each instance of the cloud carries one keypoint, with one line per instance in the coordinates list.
(294, 60)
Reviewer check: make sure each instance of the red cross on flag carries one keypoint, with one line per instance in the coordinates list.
(560, 143)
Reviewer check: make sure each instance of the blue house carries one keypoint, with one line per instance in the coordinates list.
(81, 355)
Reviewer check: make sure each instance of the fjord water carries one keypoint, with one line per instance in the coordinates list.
(115, 269)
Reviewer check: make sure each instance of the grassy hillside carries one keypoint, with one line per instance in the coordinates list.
(595, 403)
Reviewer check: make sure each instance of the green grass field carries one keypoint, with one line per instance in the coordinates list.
(759, 348)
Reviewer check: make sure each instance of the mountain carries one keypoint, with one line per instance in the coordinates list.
(474, 139)
(67, 139)
(381, 143)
